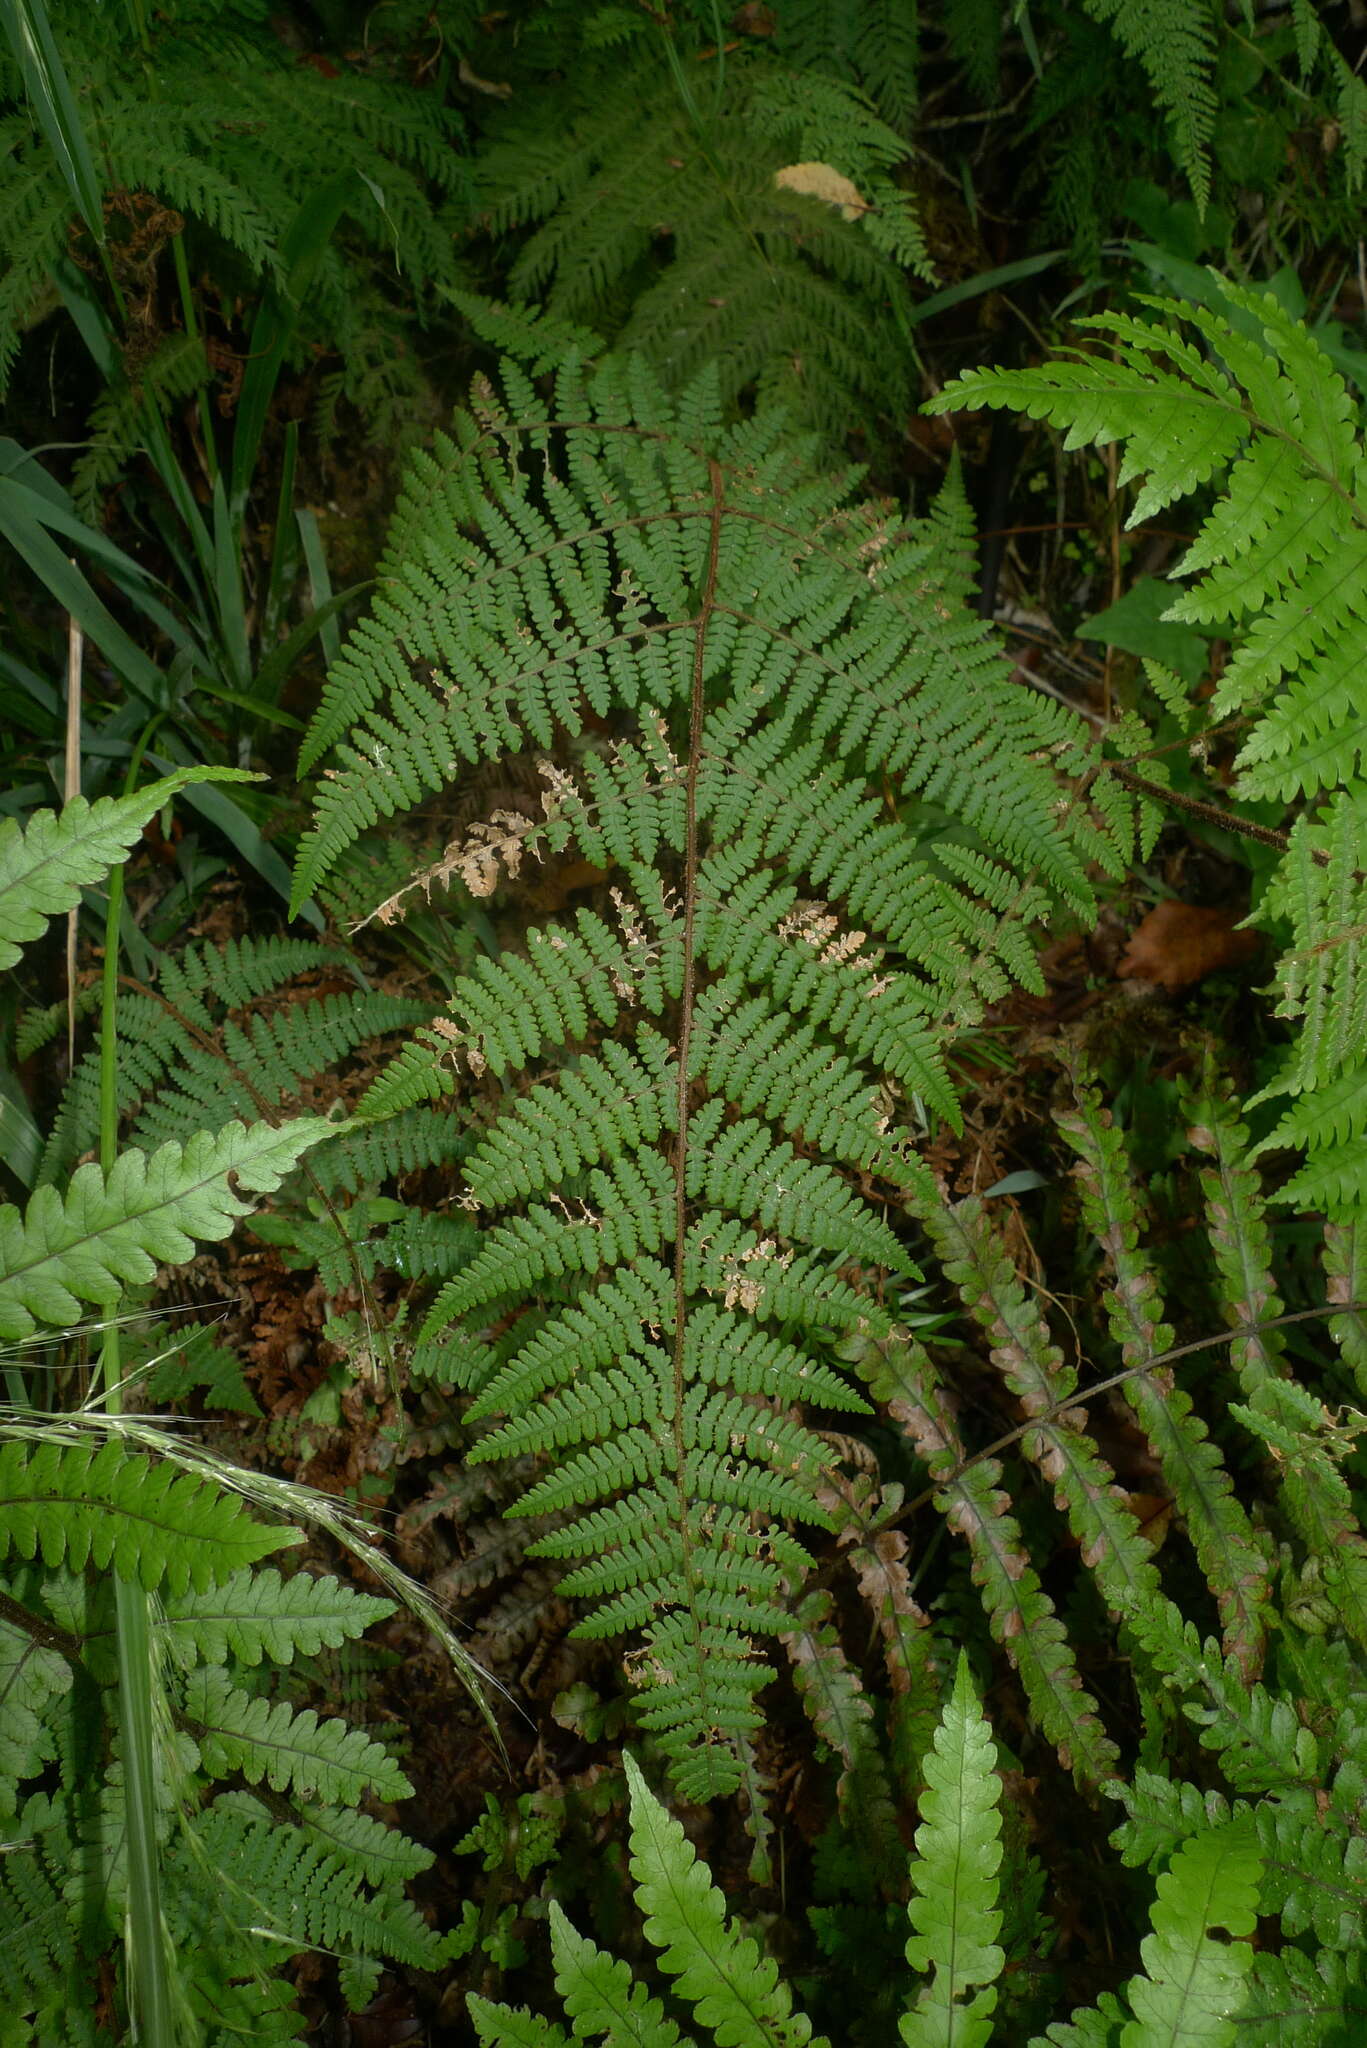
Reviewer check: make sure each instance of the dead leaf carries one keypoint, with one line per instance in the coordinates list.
(1179, 943)
(820, 181)
(1154, 1513)
(495, 90)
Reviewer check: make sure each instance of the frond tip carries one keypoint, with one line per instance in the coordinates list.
(953, 1908)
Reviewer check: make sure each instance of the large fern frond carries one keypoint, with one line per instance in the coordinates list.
(779, 954)
(689, 178)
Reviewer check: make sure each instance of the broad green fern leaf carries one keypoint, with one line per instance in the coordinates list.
(110, 1231)
(736, 1994)
(46, 862)
(257, 1614)
(288, 1749)
(1198, 1957)
(68, 1503)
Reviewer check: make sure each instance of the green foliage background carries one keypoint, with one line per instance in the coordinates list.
(568, 903)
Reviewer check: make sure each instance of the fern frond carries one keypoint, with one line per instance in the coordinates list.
(41, 1970)
(110, 1230)
(1291, 1997)
(1111, 1541)
(257, 1614)
(289, 1750)
(156, 1526)
(246, 1870)
(1249, 399)
(31, 1678)
(1221, 1534)
(1021, 1613)
(46, 862)
(954, 1880)
(1314, 1492)
(499, 2026)
(769, 287)
(600, 1995)
(1261, 1738)
(842, 1714)
(712, 1055)
(1197, 1959)
(874, 43)
(1174, 40)
(1345, 1276)
(736, 1994)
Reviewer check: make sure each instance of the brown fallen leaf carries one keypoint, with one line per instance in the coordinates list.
(821, 181)
(1180, 943)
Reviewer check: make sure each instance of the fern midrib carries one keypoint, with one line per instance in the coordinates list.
(687, 997)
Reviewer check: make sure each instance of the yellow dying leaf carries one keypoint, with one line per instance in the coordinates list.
(820, 181)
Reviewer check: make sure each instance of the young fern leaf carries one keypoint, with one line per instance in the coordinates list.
(600, 1996)
(499, 2026)
(953, 1907)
